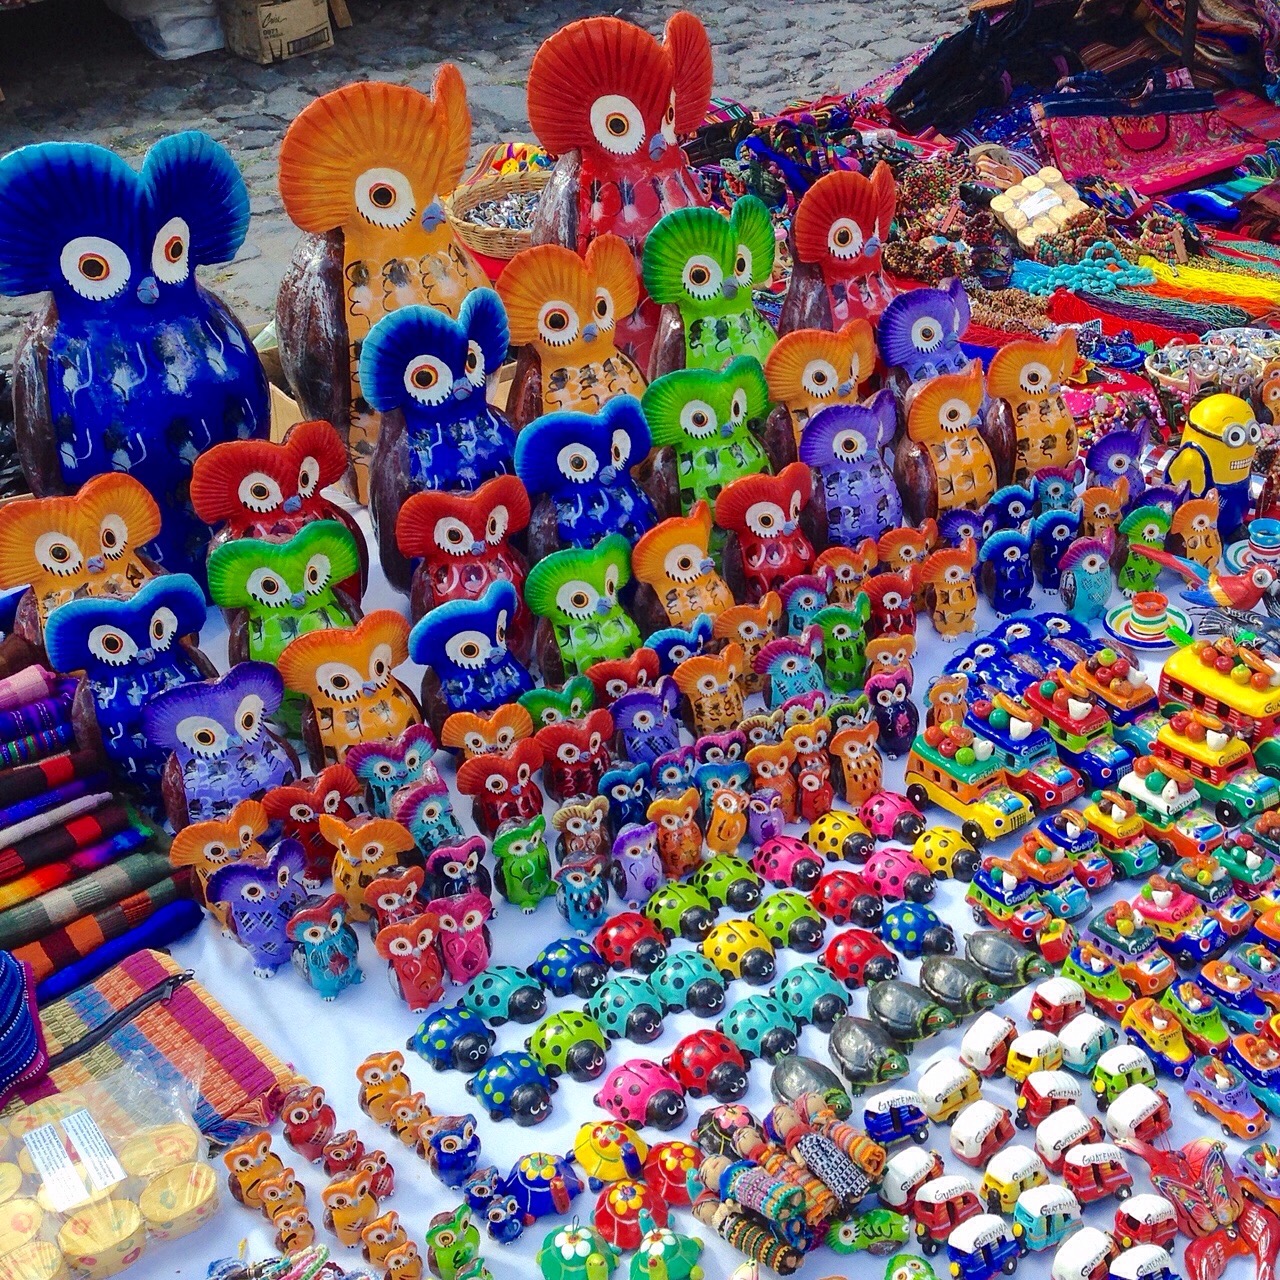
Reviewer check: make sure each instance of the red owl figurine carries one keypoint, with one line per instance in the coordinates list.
(309, 1121)
(335, 791)
(342, 1153)
(409, 948)
(380, 1172)
(395, 897)
(501, 785)
(463, 543)
(615, 676)
(610, 101)
(575, 754)
(766, 545)
(816, 792)
(893, 608)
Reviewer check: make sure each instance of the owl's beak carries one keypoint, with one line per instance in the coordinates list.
(657, 145)
(844, 388)
(590, 333)
(726, 429)
(298, 599)
(477, 548)
(608, 475)
(95, 564)
(369, 688)
(145, 655)
(603, 606)
(788, 527)
(707, 565)
(292, 504)
(872, 245)
(234, 740)
(148, 290)
(729, 287)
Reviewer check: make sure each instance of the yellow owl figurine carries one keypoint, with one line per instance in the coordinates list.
(679, 836)
(406, 1115)
(563, 312)
(363, 850)
(382, 1081)
(206, 846)
(249, 1163)
(677, 576)
(382, 1237)
(1026, 380)
(1101, 507)
(752, 626)
(347, 675)
(364, 172)
(1194, 535)
(349, 1207)
(280, 1192)
(712, 686)
(470, 734)
(861, 768)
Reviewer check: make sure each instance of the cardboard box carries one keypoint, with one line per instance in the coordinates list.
(267, 31)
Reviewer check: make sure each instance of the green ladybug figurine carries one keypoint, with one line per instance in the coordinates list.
(665, 1255)
(523, 871)
(453, 1241)
(576, 1252)
(569, 1043)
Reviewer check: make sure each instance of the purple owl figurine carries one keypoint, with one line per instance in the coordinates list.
(897, 716)
(1007, 575)
(387, 766)
(647, 721)
(765, 818)
(1116, 456)
(456, 869)
(635, 867)
(959, 523)
(721, 748)
(673, 770)
(261, 900)
(920, 331)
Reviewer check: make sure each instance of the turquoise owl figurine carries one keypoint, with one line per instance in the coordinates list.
(1085, 578)
(326, 951)
(129, 365)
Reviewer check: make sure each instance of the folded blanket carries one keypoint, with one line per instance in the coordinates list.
(54, 798)
(40, 822)
(84, 936)
(64, 839)
(25, 686)
(37, 745)
(29, 780)
(32, 920)
(78, 864)
(43, 713)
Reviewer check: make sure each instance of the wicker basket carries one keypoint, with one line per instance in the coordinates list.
(483, 184)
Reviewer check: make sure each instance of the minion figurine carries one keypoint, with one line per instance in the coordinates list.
(1216, 452)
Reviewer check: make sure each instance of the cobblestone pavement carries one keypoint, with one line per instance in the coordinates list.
(70, 70)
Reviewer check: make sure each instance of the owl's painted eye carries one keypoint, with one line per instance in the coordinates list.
(259, 492)
(249, 716)
(684, 563)
(473, 920)
(372, 852)
(669, 119)
(164, 626)
(428, 379)
(400, 947)
(113, 536)
(742, 264)
(339, 681)
(496, 526)
(698, 419)
(500, 630)
(94, 267)
(58, 554)
(1092, 563)
(253, 893)
(332, 801)
(702, 276)
(926, 334)
(954, 413)
(621, 448)
(452, 535)
(849, 445)
(577, 599)
(603, 310)
(558, 324)
(468, 648)
(611, 575)
(473, 364)
(203, 735)
(302, 813)
(380, 664)
(765, 519)
(169, 252)
(268, 587)
(820, 378)
(1035, 377)
(577, 463)
(308, 477)
(617, 124)
(316, 575)
(844, 239)
(384, 197)
(842, 631)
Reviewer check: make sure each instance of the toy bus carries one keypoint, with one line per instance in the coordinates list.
(1159, 1034)
(1104, 988)
(1080, 727)
(1122, 690)
(1220, 764)
(1133, 946)
(1024, 750)
(1165, 798)
(1184, 929)
(1122, 835)
(1000, 899)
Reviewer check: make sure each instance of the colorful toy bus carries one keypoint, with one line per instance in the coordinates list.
(1168, 803)
(1220, 764)
(1133, 946)
(1080, 727)
(998, 898)
(1122, 835)
(1024, 750)
(1184, 929)
(1122, 690)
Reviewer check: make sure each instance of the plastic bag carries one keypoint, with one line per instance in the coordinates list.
(173, 29)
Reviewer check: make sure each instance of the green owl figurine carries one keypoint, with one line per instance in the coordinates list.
(704, 424)
(1146, 526)
(550, 706)
(453, 1241)
(844, 644)
(575, 595)
(703, 267)
(523, 873)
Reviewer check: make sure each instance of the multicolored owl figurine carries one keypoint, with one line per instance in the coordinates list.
(326, 951)
(583, 830)
(347, 674)
(574, 593)
(766, 545)
(396, 895)
(844, 645)
(679, 835)
(610, 102)
(919, 332)
(677, 576)
(712, 687)
(855, 496)
(846, 569)
(462, 543)
(522, 869)
(751, 625)
(577, 468)
(414, 968)
(951, 457)
(501, 785)
(790, 666)
(702, 268)
(206, 847)
(635, 869)
(1026, 379)
(130, 365)
(564, 311)
(582, 894)
(335, 790)
(364, 849)
(363, 172)
(385, 767)
(261, 899)
(470, 734)
(129, 652)
(1085, 577)
(706, 424)
(426, 809)
(222, 750)
(1144, 526)
(951, 595)
(896, 715)
(838, 234)
(1193, 534)
(647, 721)
(67, 548)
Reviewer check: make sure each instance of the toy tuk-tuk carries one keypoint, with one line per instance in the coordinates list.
(1086, 1255)
(896, 1115)
(1143, 1262)
(941, 1205)
(945, 1088)
(1045, 1216)
(985, 1045)
(981, 1129)
(1095, 1170)
(1146, 1219)
(1084, 1040)
(1057, 1134)
(1044, 1092)
(1009, 1173)
(1139, 1114)
(1118, 1069)
(906, 1172)
(1033, 1051)
(982, 1247)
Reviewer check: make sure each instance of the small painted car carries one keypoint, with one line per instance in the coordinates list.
(945, 1088)
(940, 1206)
(1258, 1061)
(983, 1247)
(1054, 1002)
(1218, 1090)
(984, 1047)
(1095, 1170)
(1084, 1040)
(1160, 1034)
(1149, 1219)
(1044, 1092)
(1119, 1069)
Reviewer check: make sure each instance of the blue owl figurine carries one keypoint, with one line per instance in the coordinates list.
(451, 1147)
(1007, 576)
(130, 365)
(919, 331)
(387, 767)
(1010, 507)
(627, 789)
(674, 644)
(1052, 533)
(648, 720)
(673, 770)
(326, 951)
(261, 901)
(582, 894)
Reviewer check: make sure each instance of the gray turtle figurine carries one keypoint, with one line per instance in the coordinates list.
(906, 1012)
(958, 984)
(1004, 961)
(865, 1054)
(795, 1074)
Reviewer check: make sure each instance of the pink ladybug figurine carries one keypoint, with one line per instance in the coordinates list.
(788, 863)
(639, 1092)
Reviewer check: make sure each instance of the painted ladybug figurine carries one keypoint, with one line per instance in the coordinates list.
(708, 1062)
(893, 872)
(740, 949)
(629, 941)
(680, 910)
(729, 882)
(844, 897)
(838, 834)
(811, 993)
(916, 930)
(503, 993)
(640, 1092)
(857, 957)
(569, 1043)
(688, 980)
(761, 1027)
(627, 1006)
(569, 966)
(788, 919)
(889, 816)
(513, 1085)
(788, 863)
(457, 1038)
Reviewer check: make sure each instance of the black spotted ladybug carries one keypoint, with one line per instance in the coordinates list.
(629, 941)
(708, 1062)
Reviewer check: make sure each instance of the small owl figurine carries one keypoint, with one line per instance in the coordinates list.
(891, 601)
(577, 469)
(347, 675)
(920, 331)
(501, 785)
(363, 172)
(1193, 534)
(280, 1193)
(334, 790)
(752, 626)
(677, 575)
(1053, 532)
(386, 768)
(382, 1237)
(564, 312)
(1144, 526)
(1086, 578)
(712, 687)
(248, 1162)
(458, 868)
(635, 867)
(846, 569)
(327, 953)
(476, 735)
(222, 750)
(582, 894)
(410, 948)
(950, 593)
(381, 1174)
(1102, 508)
(726, 820)
(67, 548)
(1027, 376)
(790, 666)
(464, 941)
(896, 715)
(839, 230)
(453, 1240)
(261, 900)
(523, 862)
(1007, 575)
(647, 721)
(363, 850)
(771, 769)
(349, 1207)
(425, 808)
(206, 847)
(766, 546)
(844, 645)
(382, 1081)
(575, 754)
(395, 896)
(610, 101)
(678, 834)
(627, 787)
(309, 1121)
(1116, 456)
(861, 768)
(130, 365)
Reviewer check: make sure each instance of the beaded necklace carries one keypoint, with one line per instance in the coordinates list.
(1102, 269)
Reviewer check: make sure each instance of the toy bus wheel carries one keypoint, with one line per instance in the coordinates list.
(917, 795)
(1168, 854)
(1226, 1131)
(1123, 1193)
(929, 1245)
(993, 1202)
(979, 915)
(973, 833)
(1198, 1109)
(1021, 1120)
(920, 1135)
(1227, 814)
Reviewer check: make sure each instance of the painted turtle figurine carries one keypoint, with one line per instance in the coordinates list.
(543, 1186)
(906, 1012)
(630, 941)
(640, 1092)
(739, 949)
(457, 1037)
(795, 1075)
(729, 882)
(865, 1054)
(838, 834)
(788, 863)
(858, 957)
(709, 1062)
(569, 1043)
(889, 816)
(688, 980)
(958, 984)
(788, 919)
(894, 873)
(576, 1252)
(608, 1150)
(761, 1027)
(1005, 962)
(569, 966)
(916, 930)
(663, 1252)
(681, 910)
(513, 1085)
(627, 1006)
(811, 993)
(502, 992)
(844, 897)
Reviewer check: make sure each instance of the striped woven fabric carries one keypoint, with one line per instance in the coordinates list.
(36, 745)
(32, 920)
(61, 841)
(187, 1038)
(34, 824)
(40, 715)
(30, 780)
(25, 686)
(35, 807)
(85, 935)
(80, 863)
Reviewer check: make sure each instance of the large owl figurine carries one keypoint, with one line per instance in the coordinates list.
(85, 544)
(364, 171)
(363, 850)
(677, 575)
(577, 469)
(462, 543)
(222, 750)
(427, 374)
(919, 332)
(839, 231)
(347, 674)
(129, 651)
(702, 268)
(855, 496)
(706, 424)
(610, 102)
(261, 900)
(564, 311)
(1025, 380)
(335, 790)
(766, 546)
(130, 365)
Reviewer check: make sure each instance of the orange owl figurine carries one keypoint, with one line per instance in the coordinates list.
(1102, 508)
(679, 835)
(249, 1163)
(1194, 535)
(861, 766)
(280, 1192)
(950, 589)
(364, 849)
(364, 172)
(712, 687)
(470, 734)
(752, 626)
(206, 846)
(349, 1207)
(563, 311)
(611, 103)
(677, 576)
(848, 568)
(1025, 385)
(771, 765)
(382, 1081)
(383, 1236)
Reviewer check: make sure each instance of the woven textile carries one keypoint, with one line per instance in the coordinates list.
(40, 822)
(26, 686)
(22, 811)
(30, 780)
(22, 1055)
(43, 713)
(37, 745)
(80, 863)
(62, 840)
